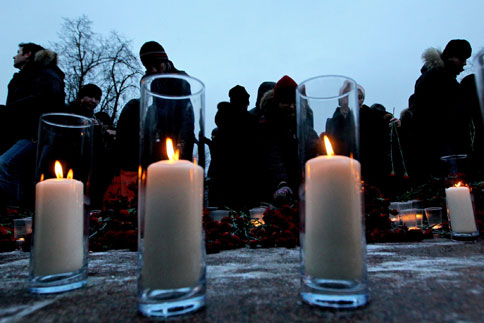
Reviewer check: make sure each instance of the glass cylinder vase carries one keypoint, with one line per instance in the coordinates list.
(171, 266)
(58, 256)
(333, 247)
(479, 70)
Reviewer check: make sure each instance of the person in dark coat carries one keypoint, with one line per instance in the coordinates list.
(340, 128)
(471, 109)
(231, 175)
(437, 113)
(376, 164)
(257, 112)
(278, 159)
(180, 128)
(86, 102)
(155, 60)
(37, 88)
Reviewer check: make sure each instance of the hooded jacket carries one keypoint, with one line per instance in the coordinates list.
(36, 89)
(439, 119)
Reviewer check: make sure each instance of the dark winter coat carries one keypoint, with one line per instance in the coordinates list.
(173, 120)
(36, 89)
(278, 156)
(233, 158)
(440, 121)
(127, 136)
(374, 145)
(341, 131)
(76, 108)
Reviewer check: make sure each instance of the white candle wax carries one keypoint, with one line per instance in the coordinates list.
(172, 249)
(333, 247)
(460, 209)
(58, 226)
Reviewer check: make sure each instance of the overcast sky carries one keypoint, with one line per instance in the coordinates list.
(224, 43)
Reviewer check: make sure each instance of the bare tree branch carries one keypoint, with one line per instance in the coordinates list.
(88, 57)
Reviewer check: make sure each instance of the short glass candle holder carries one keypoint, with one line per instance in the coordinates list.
(433, 216)
(171, 268)
(408, 217)
(333, 247)
(58, 256)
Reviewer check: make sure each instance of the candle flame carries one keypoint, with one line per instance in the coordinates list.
(459, 184)
(327, 145)
(59, 172)
(257, 222)
(172, 154)
(58, 169)
(41, 177)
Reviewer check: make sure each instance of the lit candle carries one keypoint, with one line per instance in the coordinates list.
(460, 209)
(333, 246)
(419, 216)
(59, 225)
(409, 218)
(172, 247)
(256, 215)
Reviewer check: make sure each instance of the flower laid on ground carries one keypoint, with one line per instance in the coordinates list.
(279, 228)
(116, 227)
(7, 240)
(379, 227)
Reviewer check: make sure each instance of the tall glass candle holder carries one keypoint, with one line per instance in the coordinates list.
(58, 256)
(171, 269)
(333, 247)
(479, 70)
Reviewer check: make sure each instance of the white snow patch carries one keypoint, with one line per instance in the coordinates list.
(424, 268)
(16, 313)
(21, 262)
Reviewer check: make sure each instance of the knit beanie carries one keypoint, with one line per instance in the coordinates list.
(457, 48)
(238, 94)
(285, 90)
(152, 52)
(90, 90)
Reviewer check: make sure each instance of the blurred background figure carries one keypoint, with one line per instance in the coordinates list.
(438, 109)
(231, 177)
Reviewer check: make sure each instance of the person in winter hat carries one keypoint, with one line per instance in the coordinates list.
(264, 87)
(155, 60)
(438, 112)
(239, 96)
(232, 148)
(86, 101)
(278, 147)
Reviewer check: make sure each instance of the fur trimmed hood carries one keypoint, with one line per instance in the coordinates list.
(266, 100)
(45, 57)
(432, 59)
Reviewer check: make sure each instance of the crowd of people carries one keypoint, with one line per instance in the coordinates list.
(443, 118)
